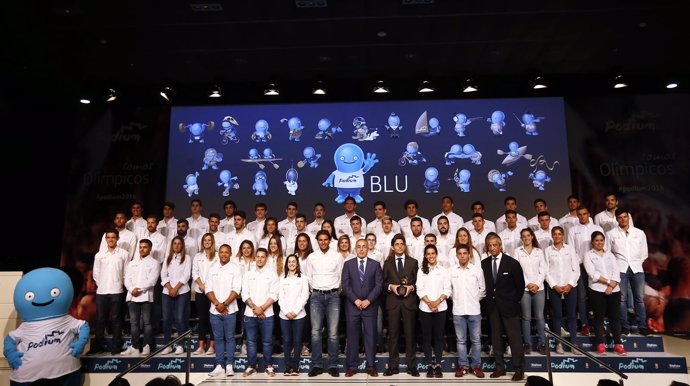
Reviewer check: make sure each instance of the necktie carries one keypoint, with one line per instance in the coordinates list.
(495, 268)
(361, 270)
(400, 266)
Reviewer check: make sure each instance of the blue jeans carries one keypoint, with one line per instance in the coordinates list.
(223, 327)
(324, 305)
(136, 311)
(474, 324)
(533, 302)
(292, 340)
(254, 326)
(636, 281)
(582, 284)
(175, 310)
(570, 311)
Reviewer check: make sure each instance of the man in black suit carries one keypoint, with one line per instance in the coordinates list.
(399, 278)
(505, 285)
(362, 283)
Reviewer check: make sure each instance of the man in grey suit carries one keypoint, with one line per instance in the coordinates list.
(362, 283)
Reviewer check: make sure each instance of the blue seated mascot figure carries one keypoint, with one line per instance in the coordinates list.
(49, 341)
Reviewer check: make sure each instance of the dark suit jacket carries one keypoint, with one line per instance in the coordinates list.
(508, 289)
(390, 276)
(354, 289)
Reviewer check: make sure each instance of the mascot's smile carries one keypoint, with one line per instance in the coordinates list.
(42, 304)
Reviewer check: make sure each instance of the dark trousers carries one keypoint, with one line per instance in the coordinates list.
(570, 301)
(203, 311)
(408, 321)
(71, 379)
(511, 327)
(433, 324)
(108, 309)
(292, 340)
(365, 324)
(141, 311)
(606, 306)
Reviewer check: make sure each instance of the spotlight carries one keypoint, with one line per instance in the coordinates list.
(214, 92)
(271, 89)
(619, 82)
(381, 88)
(470, 85)
(166, 93)
(84, 101)
(539, 83)
(111, 96)
(671, 85)
(319, 88)
(426, 86)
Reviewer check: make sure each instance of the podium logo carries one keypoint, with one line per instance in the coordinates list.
(635, 364)
(488, 366)
(564, 364)
(49, 339)
(173, 364)
(241, 364)
(110, 364)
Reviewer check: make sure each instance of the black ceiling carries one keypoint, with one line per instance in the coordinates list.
(100, 44)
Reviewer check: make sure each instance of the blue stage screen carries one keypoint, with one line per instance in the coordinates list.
(480, 149)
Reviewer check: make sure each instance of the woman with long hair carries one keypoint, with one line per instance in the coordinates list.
(245, 257)
(292, 296)
(433, 288)
(175, 274)
(275, 256)
(200, 269)
(303, 247)
(605, 293)
(271, 230)
(462, 237)
(534, 268)
(562, 277)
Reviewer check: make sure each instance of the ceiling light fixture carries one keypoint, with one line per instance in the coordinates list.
(111, 96)
(619, 82)
(319, 88)
(425, 86)
(215, 92)
(539, 83)
(381, 88)
(84, 101)
(166, 93)
(671, 85)
(470, 85)
(271, 90)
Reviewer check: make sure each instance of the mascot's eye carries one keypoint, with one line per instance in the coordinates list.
(342, 158)
(29, 296)
(55, 292)
(356, 158)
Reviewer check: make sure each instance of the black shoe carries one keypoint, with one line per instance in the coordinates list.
(643, 331)
(413, 372)
(315, 371)
(389, 371)
(527, 348)
(625, 331)
(333, 372)
(438, 373)
(288, 371)
(429, 371)
(542, 349)
(95, 350)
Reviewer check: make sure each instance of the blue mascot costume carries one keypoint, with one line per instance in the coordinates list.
(49, 341)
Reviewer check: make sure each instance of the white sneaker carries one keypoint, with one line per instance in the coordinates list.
(179, 350)
(130, 351)
(146, 351)
(211, 351)
(199, 351)
(270, 371)
(229, 371)
(249, 371)
(167, 350)
(565, 332)
(219, 370)
(559, 348)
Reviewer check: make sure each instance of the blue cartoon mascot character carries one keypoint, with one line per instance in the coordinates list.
(49, 341)
(348, 178)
